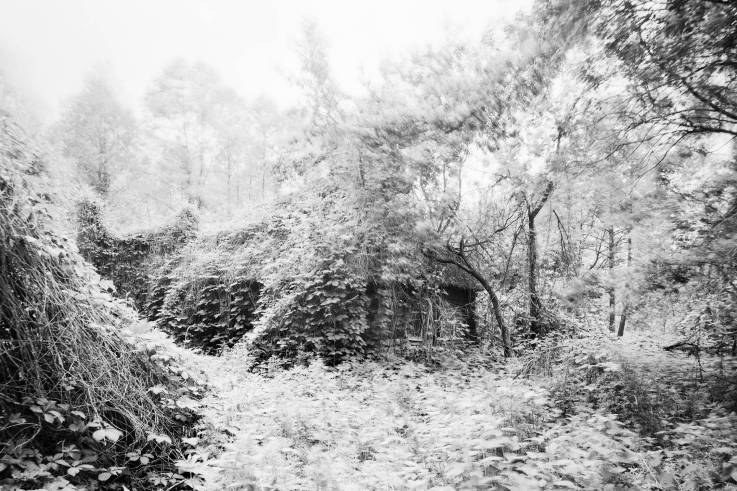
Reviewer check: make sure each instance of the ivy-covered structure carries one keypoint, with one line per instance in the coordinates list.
(289, 295)
(66, 371)
(129, 261)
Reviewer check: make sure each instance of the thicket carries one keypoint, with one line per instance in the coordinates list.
(79, 403)
(129, 261)
(206, 296)
(209, 313)
(298, 289)
(682, 406)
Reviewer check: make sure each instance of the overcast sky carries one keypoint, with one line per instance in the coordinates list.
(48, 46)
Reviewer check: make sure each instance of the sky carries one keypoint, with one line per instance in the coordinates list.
(48, 47)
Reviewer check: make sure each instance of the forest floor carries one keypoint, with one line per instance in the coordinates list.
(464, 423)
(369, 426)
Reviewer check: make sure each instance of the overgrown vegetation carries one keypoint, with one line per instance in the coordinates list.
(509, 263)
(129, 262)
(77, 399)
(296, 293)
(469, 422)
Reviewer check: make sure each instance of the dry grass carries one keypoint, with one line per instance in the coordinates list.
(58, 331)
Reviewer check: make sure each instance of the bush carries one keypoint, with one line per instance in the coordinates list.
(209, 312)
(323, 312)
(75, 396)
(130, 262)
(333, 292)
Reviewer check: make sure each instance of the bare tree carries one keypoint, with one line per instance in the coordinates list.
(535, 304)
(625, 306)
(457, 255)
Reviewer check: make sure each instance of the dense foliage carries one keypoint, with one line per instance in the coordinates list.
(304, 294)
(579, 418)
(210, 313)
(129, 261)
(544, 217)
(77, 398)
(537, 173)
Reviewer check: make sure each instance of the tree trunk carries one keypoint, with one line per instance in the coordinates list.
(465, 265)
(506, 340)
(534, 300)
(625, 307)
(612, 298)
(622, 321)
(496, 308)
(537, 327)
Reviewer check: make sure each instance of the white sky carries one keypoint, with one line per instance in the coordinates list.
(47, 47)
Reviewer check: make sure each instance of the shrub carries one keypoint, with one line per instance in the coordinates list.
(209, 312)
(323, 311)
(75, 396)
(130, 261)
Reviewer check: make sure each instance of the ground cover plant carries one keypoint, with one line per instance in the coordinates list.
(468, 423)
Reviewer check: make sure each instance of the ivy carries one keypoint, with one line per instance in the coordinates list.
(323, 312)
(207, 313)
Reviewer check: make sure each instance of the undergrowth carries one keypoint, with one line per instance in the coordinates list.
(402, 425)
(79, 403)
(681, 407)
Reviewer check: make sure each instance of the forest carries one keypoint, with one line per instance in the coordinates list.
(507, 263)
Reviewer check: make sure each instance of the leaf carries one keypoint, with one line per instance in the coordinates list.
(77, 427)
(565, 484)
(157, 389)
(456, 469)
(667, 480)
(107, 285)
(73, 471)
(158, 438)
(185, 402)
(104, 476)
(110, 434)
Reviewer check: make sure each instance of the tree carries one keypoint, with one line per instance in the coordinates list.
(680, 56)
(97, 133)
(625, 307)
(537, 326)
(232, 142)
(269, 133)
(184, 104)
(322, 96)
